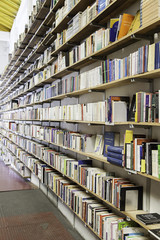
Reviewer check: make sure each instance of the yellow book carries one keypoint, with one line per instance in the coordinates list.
(136, 23)
(143, 166)
(127, 20)
(151, 57)
(128, 137)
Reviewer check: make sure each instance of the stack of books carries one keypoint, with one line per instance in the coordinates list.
(150, 11)
(115, 155)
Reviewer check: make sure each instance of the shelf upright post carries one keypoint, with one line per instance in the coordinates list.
(148, 180)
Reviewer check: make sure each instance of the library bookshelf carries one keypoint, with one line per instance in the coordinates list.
(39, 37)
(131, 215)
(94, 156)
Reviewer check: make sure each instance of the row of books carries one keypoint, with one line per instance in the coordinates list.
(12, 160)
(143, 60)
(139, 153)
(147, 106)
(98, 144)
(68, 84)
(64, 62)
(142, 154)
(105, 184)
(144, 106)
(62, 12)
(81, 142)
(104, 222)
(114, 109)
(119, 27)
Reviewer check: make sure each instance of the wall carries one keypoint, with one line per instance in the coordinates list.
(7, 39)
(20, 21)
(4, 50)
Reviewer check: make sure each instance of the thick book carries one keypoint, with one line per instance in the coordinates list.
(110, 139)
(149, 218)
(115, 155)
(115, 161)
(119, 150)
(155, 233)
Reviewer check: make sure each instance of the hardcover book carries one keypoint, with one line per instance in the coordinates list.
(155, 233)
(113, 28)
(149, 218)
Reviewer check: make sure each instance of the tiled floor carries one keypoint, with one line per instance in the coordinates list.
(27, 214)
(10, 180)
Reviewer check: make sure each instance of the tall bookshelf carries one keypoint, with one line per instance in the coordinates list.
(39, 38)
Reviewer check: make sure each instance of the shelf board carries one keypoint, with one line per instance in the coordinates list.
(132, 215)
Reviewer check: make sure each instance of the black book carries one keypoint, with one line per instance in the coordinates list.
(132, 109)
(155, 233)
(149, 218)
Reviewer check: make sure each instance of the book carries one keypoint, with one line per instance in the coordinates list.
(155, 233)
(151, 57)
(119, 111)
(135, 25)
(113, 28)
(127, 20)
(118, 150)
(131, 198)
(110, 139)
(99, 143)
(115, 161)
(149, 218)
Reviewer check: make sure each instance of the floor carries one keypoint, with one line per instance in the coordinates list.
(26, 213)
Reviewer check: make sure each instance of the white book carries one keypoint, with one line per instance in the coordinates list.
(155, 163)
(119, 111)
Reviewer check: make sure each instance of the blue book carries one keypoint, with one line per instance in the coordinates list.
(101, 5)
(81, 162)
(146, 58)
(110, 139)
(115, 161)
(115, 149)
(156, 56)
(115, 155)
(110, 70)
(113, 28)
(125, 66)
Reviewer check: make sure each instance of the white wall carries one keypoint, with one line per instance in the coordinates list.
(7, 39)
(20, 21)
(4, 50)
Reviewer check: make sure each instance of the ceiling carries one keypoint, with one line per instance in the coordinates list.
(8, 11)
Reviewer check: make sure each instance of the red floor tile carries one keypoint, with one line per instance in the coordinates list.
(10, 180)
